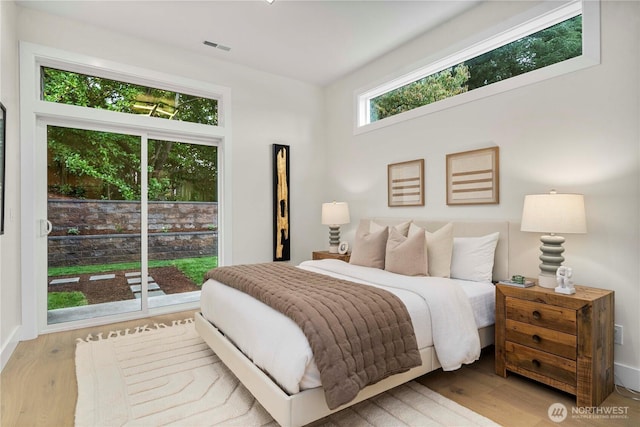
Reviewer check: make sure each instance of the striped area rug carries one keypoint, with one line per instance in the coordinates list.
(167, 375)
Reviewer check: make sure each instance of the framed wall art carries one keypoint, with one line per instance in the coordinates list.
(405, 183)
(3, 150)
(281, 224)
(473, 177)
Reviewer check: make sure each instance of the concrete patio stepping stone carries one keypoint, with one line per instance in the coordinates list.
(102, 277)
(132, 274)
(150, 286)
(139, 280)
(151, 294)
(62, 281)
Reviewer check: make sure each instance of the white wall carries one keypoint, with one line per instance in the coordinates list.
(576, 133)
(10, 312)
(266, 109)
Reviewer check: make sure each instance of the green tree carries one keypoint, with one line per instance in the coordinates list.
(546, 47)
(105, 160)
(187, 173)
(95, 92)
(427, 90)
(106, 164)
(87, 91)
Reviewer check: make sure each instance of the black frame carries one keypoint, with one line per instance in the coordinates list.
(281, 214)
(3, 151)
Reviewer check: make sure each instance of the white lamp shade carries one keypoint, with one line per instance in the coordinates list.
(554, 213)
(335, 213)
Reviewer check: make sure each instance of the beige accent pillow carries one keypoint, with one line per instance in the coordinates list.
(439, 249)
(406, 255)
(369, 249)
(402, 228)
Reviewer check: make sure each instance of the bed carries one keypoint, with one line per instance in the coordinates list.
(283, 376)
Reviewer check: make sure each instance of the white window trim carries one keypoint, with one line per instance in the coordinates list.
(35, 114)
(535, 19)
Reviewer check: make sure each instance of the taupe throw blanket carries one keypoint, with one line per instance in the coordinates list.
(358, 334)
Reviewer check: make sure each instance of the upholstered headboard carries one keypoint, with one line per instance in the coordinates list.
(463, 229)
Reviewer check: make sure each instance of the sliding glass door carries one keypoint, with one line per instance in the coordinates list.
(120, 184)
(182, 219)
(132, 222)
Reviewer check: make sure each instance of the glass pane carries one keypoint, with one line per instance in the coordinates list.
(83, 90)
(546, 47)
(183, 218)
(94, 264)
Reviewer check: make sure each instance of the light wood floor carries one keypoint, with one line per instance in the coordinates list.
(516, 401)
(38, 386)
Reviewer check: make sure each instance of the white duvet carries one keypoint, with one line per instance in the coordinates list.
(441, 312)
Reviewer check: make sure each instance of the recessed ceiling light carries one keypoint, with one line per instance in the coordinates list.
(270, 1)
(217, 45)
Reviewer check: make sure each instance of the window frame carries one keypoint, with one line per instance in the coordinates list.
(36, 114)
(529, 22)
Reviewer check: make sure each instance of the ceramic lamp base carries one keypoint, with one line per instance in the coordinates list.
(547, 281)
(334, 238)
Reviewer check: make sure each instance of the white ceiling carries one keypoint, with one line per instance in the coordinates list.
(313, 41)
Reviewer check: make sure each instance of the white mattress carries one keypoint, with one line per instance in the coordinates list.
(277, 345)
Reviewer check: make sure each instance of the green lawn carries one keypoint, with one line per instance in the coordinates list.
(193, 268)
(65, 299)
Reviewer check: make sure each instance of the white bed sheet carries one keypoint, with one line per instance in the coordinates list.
(277, 345)
(482, 295)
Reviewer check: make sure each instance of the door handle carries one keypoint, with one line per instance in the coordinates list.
(45, 227)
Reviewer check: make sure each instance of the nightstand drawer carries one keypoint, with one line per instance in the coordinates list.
(558, 343)
(548, 316)
(519, 357)
(330, 255)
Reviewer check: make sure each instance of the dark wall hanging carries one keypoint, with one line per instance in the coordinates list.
(281, 224)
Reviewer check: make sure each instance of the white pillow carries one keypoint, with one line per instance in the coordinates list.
(473, 257)
(439, 249)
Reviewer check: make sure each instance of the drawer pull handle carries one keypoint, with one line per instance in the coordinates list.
(536, 339)
(535, 363)
(536, 315)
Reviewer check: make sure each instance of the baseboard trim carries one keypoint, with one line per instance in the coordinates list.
(627, 376)
(9, 347)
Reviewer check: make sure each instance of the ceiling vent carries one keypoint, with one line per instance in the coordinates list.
(217, 45)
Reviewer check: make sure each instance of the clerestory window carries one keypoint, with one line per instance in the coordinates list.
(547, 39)
(66, 87)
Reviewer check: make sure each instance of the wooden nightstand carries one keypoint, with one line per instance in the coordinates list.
(565, 341)
(329, 255)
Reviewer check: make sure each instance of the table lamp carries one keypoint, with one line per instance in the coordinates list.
(335, 214)
(553, 213)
